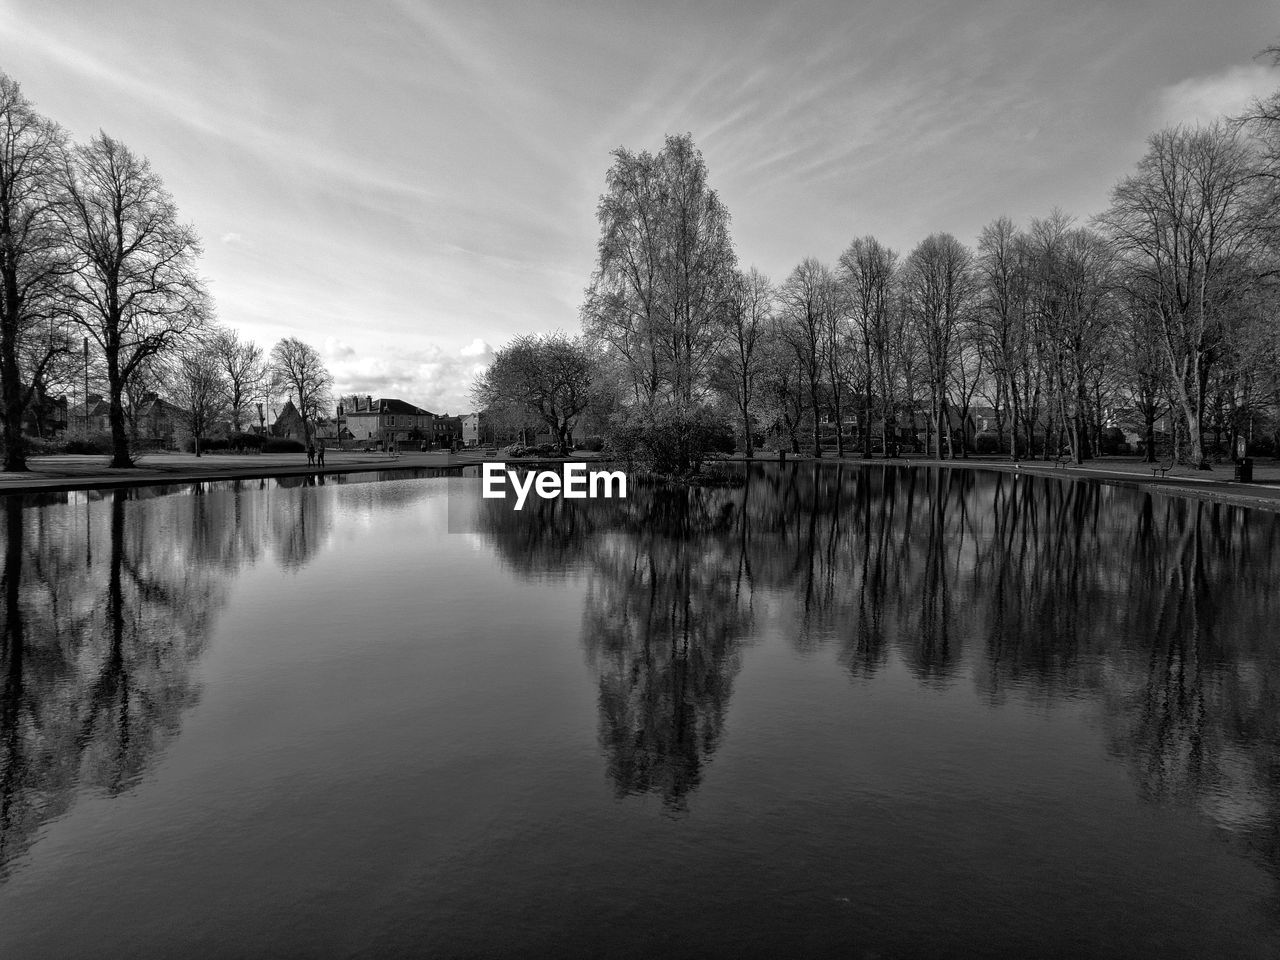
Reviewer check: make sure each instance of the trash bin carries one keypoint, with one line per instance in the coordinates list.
(1244, 470)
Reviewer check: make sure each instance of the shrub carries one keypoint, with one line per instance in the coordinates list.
(283, 445)
(668, 438)
(1112, 442)
(1262, 445)
(187, 444)
(986, 443)
(93, 443)
(592, 444)
(40, 447)
(516, 450)
(245, 441)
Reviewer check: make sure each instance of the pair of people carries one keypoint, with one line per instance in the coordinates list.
(315, 454)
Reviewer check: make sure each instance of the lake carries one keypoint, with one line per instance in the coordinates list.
(840, 711)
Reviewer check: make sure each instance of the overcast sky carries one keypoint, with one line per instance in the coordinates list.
(407, 184)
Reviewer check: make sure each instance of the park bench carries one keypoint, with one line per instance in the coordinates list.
(1162, 468)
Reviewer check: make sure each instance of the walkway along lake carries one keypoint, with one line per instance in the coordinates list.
(839, 711)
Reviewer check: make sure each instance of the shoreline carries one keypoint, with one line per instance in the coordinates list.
(69, 472)
(1262, 494)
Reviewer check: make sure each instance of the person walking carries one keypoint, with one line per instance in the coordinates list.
(311, 454)
(320, 454)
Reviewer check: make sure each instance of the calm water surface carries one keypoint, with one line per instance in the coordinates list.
(839, 712)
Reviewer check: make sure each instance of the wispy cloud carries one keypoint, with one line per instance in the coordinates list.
(412, 183)
(1203, 99)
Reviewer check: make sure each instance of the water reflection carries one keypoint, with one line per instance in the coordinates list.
(1160, 610)
(109, 600)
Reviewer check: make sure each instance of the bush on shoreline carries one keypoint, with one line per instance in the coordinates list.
(669, 440)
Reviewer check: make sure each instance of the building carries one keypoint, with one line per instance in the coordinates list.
(376, 420)
(288, 423)
(157, 419)
(474, 430)
(45, 415)
(446, 431)
(98, 419)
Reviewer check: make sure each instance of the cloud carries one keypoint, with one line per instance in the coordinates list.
(477, 348)
(432, 377)
(1208, 98)
(232, 238)
(338, 350)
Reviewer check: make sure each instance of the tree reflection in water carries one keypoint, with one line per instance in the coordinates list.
(668, 603)
(1162, 610)
(109, 599)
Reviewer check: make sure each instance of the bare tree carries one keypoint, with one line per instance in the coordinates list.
(1141, 364)
(1002, 317)
(298, 370)
(784, 390)
(806, 301)
(1073, 282)
(665, 271)
(33, 263)
(742, 355)
(245, 372)
(867, 271)
(136, 289)
(552, 377)
(199, 387)
(938, 278)
(1185, 220)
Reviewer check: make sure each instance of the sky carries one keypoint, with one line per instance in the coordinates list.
(407, 185)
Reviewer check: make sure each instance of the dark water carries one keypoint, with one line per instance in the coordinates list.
(838, 712)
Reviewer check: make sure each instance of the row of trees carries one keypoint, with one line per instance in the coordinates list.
(93, 257)
(1166, 303)
(221, 379)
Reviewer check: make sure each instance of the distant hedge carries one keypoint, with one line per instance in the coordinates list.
(93, 443)
(234, 441)
(283, 445)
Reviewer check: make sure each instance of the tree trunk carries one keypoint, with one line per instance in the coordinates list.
(939, 424)
(1149, 416)
(119, 436)
(1014, 412)
(15, 453)
(817, 423)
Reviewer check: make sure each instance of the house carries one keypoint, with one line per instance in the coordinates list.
(157, 419)
(446, 431)
(45, 416)
(382, 419)
(98, 418)
(288, 423)
(983, 418)
(473, 427)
